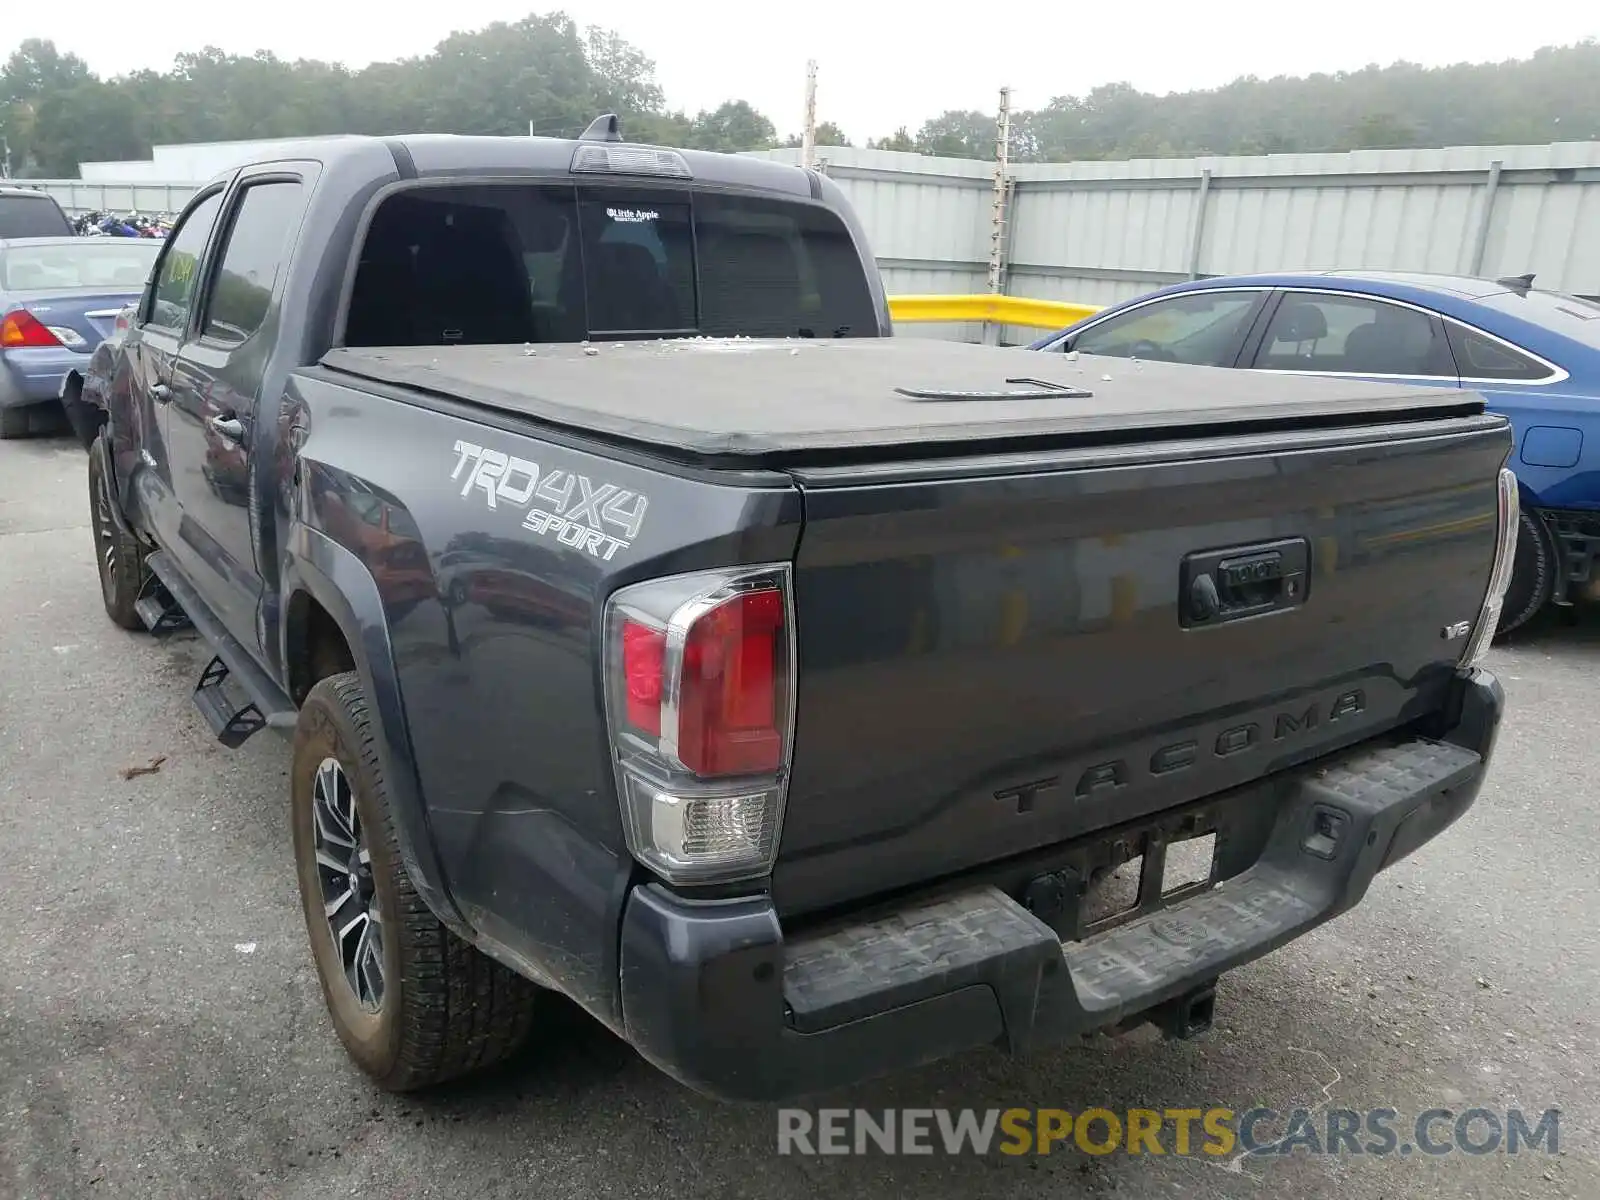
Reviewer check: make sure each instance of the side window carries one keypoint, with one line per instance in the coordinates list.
(1199, 328)
(180, 264)
(1352, 335)
(1479, 357)
(264, 222)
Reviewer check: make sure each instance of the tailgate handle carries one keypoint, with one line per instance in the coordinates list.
(1217, 586)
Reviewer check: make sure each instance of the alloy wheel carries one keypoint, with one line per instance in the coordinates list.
(106, 534)
(349, 895)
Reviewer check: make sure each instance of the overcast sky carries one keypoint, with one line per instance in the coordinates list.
(880, 65)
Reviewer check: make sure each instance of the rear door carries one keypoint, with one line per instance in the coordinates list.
(216, 381)
(1313, 332)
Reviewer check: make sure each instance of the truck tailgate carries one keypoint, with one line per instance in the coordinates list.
(1001, 654)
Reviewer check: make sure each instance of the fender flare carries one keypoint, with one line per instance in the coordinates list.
(337, 580)
(113, 488)
(86, 419)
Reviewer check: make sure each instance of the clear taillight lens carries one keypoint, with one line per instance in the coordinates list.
(1505, 553)
(700, 703)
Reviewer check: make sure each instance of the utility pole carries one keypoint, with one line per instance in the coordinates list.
(808, 135)
(997, 212)
(1002, 179)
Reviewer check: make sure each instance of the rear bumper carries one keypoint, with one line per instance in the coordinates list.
(714, 995)
(34, 376)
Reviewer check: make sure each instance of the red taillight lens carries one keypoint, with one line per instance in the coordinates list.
(730, 718)
(700, 694)
(21, 328)
(643, 649)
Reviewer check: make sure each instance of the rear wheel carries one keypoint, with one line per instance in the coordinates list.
(119, 556)
(413, 1004)
(1533, 573)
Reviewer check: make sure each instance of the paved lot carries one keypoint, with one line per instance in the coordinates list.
(161, 1034)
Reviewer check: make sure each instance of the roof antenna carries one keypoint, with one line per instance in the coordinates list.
(1519, 283)
(605, 128)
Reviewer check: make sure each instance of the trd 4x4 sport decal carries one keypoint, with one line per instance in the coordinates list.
(599, 519)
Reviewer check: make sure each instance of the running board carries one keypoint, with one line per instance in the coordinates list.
(161, 614)
(233, 720)
(236, 697)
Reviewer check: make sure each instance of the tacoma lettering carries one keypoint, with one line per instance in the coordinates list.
(1115, 774)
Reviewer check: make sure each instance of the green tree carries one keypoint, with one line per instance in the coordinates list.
(500, 78)
(624, 78)
(87, 122)
(1381, 131)
(956, 134)
(732, 125)
(35, 71)
(900, 139)
(828, 134)
(36, 68)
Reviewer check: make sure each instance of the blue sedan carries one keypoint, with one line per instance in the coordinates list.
(1533, 354)
(59, 298)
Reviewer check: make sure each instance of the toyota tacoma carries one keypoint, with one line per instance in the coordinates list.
(654, 628)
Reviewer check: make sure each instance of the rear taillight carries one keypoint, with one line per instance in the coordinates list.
(700, 701)
(1505, 554)
(21, 328)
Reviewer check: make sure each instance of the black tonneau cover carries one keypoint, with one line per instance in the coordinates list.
(758, 401)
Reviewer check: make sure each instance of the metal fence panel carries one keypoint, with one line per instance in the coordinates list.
(80, 196)
(1098, 232)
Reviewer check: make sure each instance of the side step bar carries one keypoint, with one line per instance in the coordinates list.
(235, 696)
(161, 614)
(230, 719)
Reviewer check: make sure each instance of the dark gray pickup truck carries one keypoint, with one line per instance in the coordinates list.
(654, 628)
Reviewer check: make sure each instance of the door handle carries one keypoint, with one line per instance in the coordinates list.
(1243, 581)
(160, 393)
(229, 427)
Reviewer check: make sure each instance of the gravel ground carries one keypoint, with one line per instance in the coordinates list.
(161, 1032)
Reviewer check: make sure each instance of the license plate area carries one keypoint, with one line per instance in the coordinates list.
(1162, 873)
(1117, 876)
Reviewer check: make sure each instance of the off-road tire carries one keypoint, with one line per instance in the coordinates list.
(447, 1010)
(1533, 573)
(119, 557)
